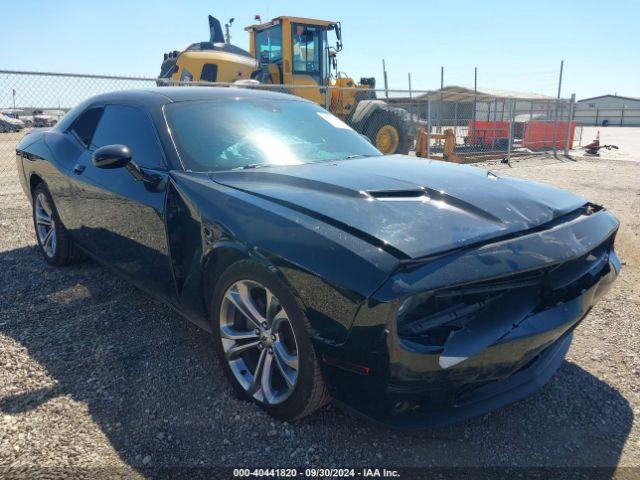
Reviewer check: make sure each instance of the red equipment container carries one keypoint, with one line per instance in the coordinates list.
(487, 133)
(539, 135)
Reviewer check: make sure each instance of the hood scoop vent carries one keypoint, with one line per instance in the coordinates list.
(414, 195)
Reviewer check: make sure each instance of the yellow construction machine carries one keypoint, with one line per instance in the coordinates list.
(294, 52)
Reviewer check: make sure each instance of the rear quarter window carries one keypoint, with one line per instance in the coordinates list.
(85, 125)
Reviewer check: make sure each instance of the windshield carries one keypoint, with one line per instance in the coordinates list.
(240, 133)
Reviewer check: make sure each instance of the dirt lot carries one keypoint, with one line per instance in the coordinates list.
(97, 378)
(627, 139)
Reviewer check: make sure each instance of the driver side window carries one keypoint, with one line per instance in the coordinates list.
(130, 126)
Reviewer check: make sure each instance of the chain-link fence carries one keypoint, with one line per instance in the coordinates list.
(36, 100)
(454, 123)
(493, 124)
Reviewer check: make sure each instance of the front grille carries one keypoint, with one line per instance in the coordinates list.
(433, 317)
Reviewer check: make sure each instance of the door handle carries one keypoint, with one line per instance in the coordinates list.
(78, 169)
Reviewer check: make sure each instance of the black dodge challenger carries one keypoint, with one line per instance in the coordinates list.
(409, 291)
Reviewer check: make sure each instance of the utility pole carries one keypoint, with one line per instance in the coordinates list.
(227, 33)
(560, 78)
(386, 86)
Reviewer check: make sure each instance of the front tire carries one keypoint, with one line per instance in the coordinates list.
(54, 241)
(262, 340)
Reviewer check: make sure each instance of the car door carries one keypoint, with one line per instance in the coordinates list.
(71, 155)
(122, 219)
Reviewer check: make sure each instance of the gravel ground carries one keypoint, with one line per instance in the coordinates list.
(96, 377)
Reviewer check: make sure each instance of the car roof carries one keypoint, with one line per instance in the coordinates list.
(162, 95)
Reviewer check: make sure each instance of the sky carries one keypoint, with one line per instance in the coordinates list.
(516, 45)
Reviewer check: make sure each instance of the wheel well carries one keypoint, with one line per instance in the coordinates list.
(216, 263)
(34, 181)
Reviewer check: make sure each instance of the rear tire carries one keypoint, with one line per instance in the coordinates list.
(273, 330)
(389, 131)
(54, 242)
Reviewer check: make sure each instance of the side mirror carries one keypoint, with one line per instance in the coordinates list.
(338, 28)
(112, 156)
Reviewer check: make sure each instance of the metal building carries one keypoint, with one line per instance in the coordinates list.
(608, 110)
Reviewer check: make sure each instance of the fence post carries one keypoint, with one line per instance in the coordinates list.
(410, 99)
(439, 129)
(622, 116)
(428, 124)
(455, 120)
(569, 122)
(555, 130)
(510, 141)
(493, 125)
(597, 115)
(555, 125)
(475, 103)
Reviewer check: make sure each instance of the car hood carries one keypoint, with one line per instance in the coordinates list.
(410, 207)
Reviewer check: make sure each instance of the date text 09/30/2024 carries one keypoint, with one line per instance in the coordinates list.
(316, 473)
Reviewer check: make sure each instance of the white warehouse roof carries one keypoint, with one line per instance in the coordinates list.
(633, 99)
(463, 94)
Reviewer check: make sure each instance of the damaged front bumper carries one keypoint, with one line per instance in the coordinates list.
(467, 332)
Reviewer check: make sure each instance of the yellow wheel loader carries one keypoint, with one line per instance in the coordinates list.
(294, 52)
